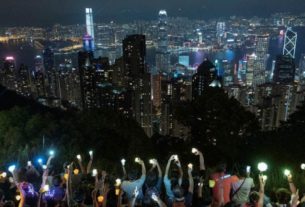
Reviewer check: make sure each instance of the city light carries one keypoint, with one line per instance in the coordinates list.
(94, 172)
(51, 152)
(137, 160)
(12, 168)
(262, 167)
(9, 58)
(194, 151)
(287, 172)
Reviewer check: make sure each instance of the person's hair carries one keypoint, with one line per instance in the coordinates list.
(253, 197)
(242, 172)
(178, 192)
(132, 174)
(151, 179)
(56, 181)
(283, 196)
(221, 167)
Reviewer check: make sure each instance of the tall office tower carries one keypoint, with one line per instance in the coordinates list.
(284, 69)
(250, 69)
(260, 63)
(162, 31)
(176, 89)
(156, 91)
(220, 30)
(163, 62)
(290, 43)
(38, 64)
(105, 37)
(138, 80)
(9, 73)
(87, 80)
(162, 55)
(39, 77)
(242, 71)
(228, 72)
(51, 74)
(23, 82)
(90, 25)
(205, 77)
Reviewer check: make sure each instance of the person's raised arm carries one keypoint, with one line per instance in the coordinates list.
(141, 162)
(201, 161)
(178, 163)
(190, 177)
(159, 168)
(262, 182)
(90, 162)
(80, 163)
(168, 165)
(292, 187)
(123, 162)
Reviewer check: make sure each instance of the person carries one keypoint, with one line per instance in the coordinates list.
(181, 198)
(153, 183)
(242, 188)
(223, 183)
(129, 186)
(174, 181)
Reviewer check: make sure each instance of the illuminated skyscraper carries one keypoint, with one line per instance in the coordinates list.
(205, 77)
(87, 80)
(220, 30)
(284, 69)
(9, 73)
(23, 81)
(90, 25)
(250, 69)
(162, 31)
(290, 43)
(51, 75)
(138, 80)
(260, 63)
(162, 56)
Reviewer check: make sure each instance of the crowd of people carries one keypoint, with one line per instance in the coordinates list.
(79, 185)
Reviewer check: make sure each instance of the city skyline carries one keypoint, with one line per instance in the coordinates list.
(47, 13)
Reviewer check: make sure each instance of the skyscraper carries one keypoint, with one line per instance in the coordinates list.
(138, 80)
(9, 73)
(51, 75)
(290, 43)
(162, 55)
(87, 80)
(284, 69)
(162, 31)
(205, 76)
(23, 81)
(90, 25)
(260, 62)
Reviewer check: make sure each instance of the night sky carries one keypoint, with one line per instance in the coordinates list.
(49, 12)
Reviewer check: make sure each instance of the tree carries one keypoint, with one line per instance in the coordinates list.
(219, 125)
